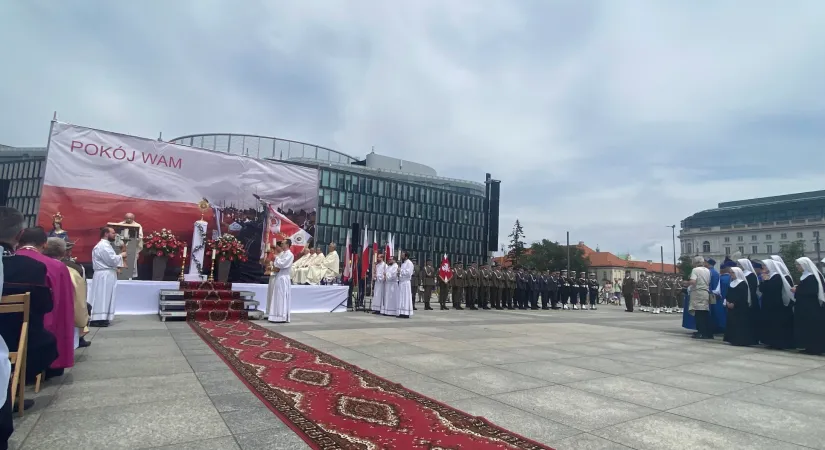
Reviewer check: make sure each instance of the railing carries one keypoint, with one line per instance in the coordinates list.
(262, 147)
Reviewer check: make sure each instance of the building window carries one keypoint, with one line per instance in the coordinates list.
(816, 234)
(689, 248)
(770, 248)
(783, 236)
(799, 235)
(768, 238)
(727, 238)
(753, 237)
(741, 250)
(740, 238)
(706, 247)
(727, 251)
(754, 249)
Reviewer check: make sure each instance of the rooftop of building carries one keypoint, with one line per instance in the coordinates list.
(602, 260)
(800, 206)
(9, 152)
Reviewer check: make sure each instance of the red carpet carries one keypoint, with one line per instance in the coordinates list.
(334, 405)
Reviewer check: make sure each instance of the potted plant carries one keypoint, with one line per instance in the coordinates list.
(161, 244)
(227, 249)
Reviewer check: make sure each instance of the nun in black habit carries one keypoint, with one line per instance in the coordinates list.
(777, 309)
(738, 330)
(750, 270)
(809, 314)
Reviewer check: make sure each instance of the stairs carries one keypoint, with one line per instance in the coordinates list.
(207, 301)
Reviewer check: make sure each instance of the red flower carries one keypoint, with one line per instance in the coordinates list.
(160, 254)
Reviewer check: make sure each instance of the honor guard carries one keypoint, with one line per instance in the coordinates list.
(643, 286)
(564, 289)
(427, 277)
(510, 289)
(554, 289)
(486, 283)
(593, 285)
(583, 289)
(498, 287)
(457, 284)
(544, 287)
(667, 293)
(574, 290)
(471, 286)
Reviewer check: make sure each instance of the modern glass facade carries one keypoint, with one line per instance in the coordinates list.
(263, 147)
(425, 220)
(21, 180)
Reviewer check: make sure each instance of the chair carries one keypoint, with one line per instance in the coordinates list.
(11, 304)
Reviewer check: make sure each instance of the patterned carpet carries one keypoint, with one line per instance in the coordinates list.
(334, 405)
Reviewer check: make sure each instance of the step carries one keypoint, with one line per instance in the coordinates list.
(178, 294)
(253, 315)
(164, 304)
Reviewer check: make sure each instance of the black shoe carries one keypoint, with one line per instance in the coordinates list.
(428, 308)
(27, 405)
(458, 308)
(83, 343)
(403, 316)
(486, 307)
(473, 308)
(444, 308)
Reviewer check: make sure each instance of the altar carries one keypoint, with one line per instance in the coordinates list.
(133, 297)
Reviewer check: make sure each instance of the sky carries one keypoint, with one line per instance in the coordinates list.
(608, 119)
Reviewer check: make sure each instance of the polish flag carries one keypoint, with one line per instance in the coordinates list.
(388, 247)
(348, 256)
(444, 271)
(365, 255)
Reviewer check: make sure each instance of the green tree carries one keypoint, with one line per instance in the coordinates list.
(548, 255)
(685, 266)
(790, 253)
(516, 246)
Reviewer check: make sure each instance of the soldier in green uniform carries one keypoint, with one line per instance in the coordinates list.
(667, 293)
(484, 288)
(427, 276)
(644, 292)
(457, 284)
(509, 289)
(471, 286)
(654, 287)
(497, 288)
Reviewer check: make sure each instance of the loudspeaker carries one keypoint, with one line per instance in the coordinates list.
(356, 234)
(492, 230)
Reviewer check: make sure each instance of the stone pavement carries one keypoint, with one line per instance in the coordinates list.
(601, 379)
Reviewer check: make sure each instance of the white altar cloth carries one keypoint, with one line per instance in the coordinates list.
(135, 297)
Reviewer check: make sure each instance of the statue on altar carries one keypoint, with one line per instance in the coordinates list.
(57, 227)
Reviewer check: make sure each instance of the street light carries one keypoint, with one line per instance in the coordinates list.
(673, 228)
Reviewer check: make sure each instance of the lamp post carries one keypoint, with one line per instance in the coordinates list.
(673, 228)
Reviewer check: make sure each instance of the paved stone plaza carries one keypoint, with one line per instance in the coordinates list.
(601, 379)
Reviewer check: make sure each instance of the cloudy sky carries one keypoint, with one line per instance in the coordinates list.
(608, 119)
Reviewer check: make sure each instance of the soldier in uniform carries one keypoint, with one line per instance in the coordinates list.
(510, 289)
(574, 290)
(553, 286)
(628, 288)
(521, 288)
(564, 289)
(593, 285)
(534, 290)
(643, 286)
(654, 287)
(667, 293)
(583, 289)
(484, 288)
(544, 286)
(471, 279)
(427, 276)
(498, 287)
(457, 283)
(443, 293)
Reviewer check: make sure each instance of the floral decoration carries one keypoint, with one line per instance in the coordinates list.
(163, 243)
(228, 248)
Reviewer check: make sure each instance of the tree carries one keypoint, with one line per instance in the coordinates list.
(548, 255)
(685, 266)
(790, 253)
(516, 247)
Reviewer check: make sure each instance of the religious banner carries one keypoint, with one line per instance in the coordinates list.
(93, 177)
(278, 227)
(444, 271)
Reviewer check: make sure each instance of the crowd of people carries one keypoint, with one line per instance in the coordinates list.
(759, 302)
(59, 315)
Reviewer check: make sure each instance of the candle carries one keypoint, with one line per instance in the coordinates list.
(184, 252)
(214, 252)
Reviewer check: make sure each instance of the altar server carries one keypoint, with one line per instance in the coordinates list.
(391, 297)
(777, 309)
(279, 295)
(809, 314)
(378, 285)
(405, 304)
(60, 321)
(738, 329)
(105, 263)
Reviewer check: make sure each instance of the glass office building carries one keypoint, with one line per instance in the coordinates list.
(428, 215)
(21, 179)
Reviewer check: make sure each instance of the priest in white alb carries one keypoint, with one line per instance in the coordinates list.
(405, 303)
(313, 259)
(327, 270)
(378, 285)
(299, 276)
(129, 219)
(105, 262)
(391, 294)
(279, 294)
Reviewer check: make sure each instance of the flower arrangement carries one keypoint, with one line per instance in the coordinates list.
(163, 243)
(227, 248)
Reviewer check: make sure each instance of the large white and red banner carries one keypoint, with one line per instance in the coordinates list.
(278, 227)
(94, 177)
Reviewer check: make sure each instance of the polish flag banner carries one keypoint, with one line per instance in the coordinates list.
(278, 227)
(365, 255)
(388, 248)
(93, 177)
(444, 271)
(348, 258)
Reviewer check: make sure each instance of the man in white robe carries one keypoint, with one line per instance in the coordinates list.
(301, 262)
(129, 219)
(405, 303)
(105, 263)
(313, 259)
(328, 268)
(378, 285)
(391, 294)
(279, 294)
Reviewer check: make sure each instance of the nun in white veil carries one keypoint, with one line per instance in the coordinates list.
(738, 331)
(783, 269)
(809, 314)
(777, 310)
